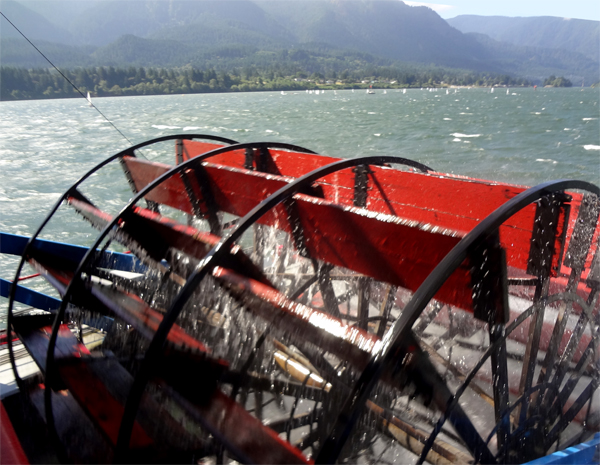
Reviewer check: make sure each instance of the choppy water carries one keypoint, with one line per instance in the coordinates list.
(524, 137)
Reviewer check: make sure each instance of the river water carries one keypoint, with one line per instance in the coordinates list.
(522, 136)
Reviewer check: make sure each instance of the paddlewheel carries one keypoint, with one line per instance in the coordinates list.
(260, 303)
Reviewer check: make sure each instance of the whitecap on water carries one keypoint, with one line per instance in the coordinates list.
(191, 128)
(162, 126)
(588, 119)
(456, 140)
(547, 160)
(447, 119)
(591, 147)
(458, 134)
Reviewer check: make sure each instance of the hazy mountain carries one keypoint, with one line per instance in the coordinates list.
(106, 21)
(18, 52)
(536, 62)
(388, 28)
(225, 23)
(253, 32)
(134, 51)
(32, 24)
(61, 13)
(576, 35)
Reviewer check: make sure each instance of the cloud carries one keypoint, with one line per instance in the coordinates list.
(437, 7)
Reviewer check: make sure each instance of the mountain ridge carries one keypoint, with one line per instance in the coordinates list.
(576, 35)
(182, 33)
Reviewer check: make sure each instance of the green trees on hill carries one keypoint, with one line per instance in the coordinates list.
(553, 81)
(19, 83)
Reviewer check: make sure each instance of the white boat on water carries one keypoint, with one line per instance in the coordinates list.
(89, 99)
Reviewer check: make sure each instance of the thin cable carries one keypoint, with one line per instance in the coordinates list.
(66, 78)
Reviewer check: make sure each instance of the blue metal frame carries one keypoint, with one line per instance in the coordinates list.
(581, 454)
(14, 244)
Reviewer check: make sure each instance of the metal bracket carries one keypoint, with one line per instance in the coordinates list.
(127, 172)
(544, 235)
(151, 204)
(593, 279)
(583, 232)
(191, 195)
(489, 281)
(210, 202)
(262, 161)
(297, 230)
(179, 151)
(249, 159)
(361, 181)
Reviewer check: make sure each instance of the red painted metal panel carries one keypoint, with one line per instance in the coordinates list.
(60, 279)
(171, 192)
(381, 246)
(146, 320)
(128, 306)
(99, 404)
(428, 200)
(285, 162)
(384, 247)
(193, 148)
(296, 164)
(449, 201)
(237, 191)
(36, 341)
(190, 240)
(331, 334)
(195, 243)
(11, 452)
(439, 200)
(245, 434)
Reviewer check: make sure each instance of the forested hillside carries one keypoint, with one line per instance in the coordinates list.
(266, 37)
(18, 83)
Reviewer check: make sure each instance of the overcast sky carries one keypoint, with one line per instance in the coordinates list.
(582, 9)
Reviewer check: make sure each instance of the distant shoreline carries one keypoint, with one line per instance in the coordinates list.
(27, 84)
(323, 88)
